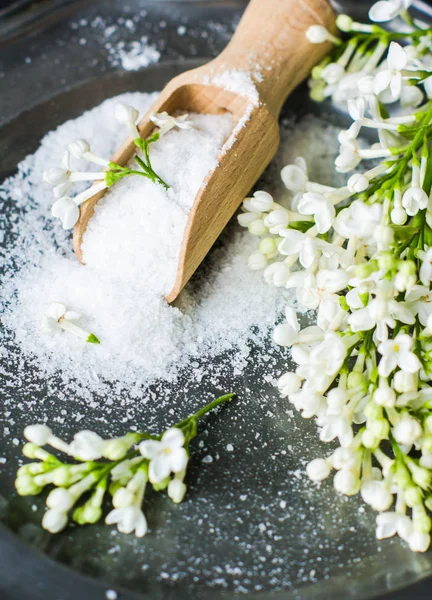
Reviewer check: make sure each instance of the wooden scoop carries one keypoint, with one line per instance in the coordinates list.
(270, 45)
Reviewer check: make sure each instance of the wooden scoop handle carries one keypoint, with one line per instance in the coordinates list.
(270, 41)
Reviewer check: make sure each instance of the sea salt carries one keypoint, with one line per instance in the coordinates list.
(131, 251)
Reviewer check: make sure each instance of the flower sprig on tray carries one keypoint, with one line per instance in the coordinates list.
(121, 467)
(361, 256)
(63, 178)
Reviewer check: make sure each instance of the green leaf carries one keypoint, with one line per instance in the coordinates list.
(92, 339)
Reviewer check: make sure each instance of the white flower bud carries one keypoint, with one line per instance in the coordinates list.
(383, 235)
(176, 490)
(125, 114)
(318, 469)
(344, 23)
(87, 445)
(245, 219)
(60, 500)
(285, 335)
(332, 73)
(407, 431)
(123, 498)
(55, 176)
(277, 220)
(277, 274)
(288, 384)
(385, 396)
(257, 227)
(377, 495)
(405, 382)
(398, 216)
(343, 458)
(262, 201)
(38, 434)
(54, 521)
(357, 183)
(369, 439)
(336, 400)
(257, 261)
(419, 542)
(317, 34)
(294, 178)
(78, 148)
(269, 247)
(345, 482)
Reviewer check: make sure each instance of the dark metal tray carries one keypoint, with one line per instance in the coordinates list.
(321, 546)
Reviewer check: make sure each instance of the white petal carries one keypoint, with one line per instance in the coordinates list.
(382, 81)
(159, 468)
(56, 310)
(173, 438)
(149, 448)
(71, 315)
(60, 207)
(397, 58)
(71, 217)
(178, 460)
(382, 11)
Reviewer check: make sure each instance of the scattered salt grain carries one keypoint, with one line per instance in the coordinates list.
(230, 447)
(111, 595)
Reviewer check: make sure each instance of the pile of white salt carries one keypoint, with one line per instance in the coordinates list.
(131, 250)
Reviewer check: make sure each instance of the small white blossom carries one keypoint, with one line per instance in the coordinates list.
(318, 469)
(166, 122)
(166, 456)
(87, 445)
(127, 115)
(320, 207)
(176, 490)
(392, 76)
(67, 211)
(397, 353)
(129, 519)
(407, 430)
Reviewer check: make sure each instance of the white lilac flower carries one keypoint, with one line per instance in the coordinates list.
(419, 301)
(166, 456)
(317, 34)
(67, 211)
(318, 469)
(295, 177)
(259, 203)
(87, 445)
(176, 490)
(57, 317)
(166, 122)
(377, 494)
(398, 353)
(393, 523)
(129, 519)
(127, 115)
(391, 77)
(407, 430)
(81, 149)
(288, 383)
(54, 521)
(386, 10)
(414, 199)
(295, 242)
(321, 207)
